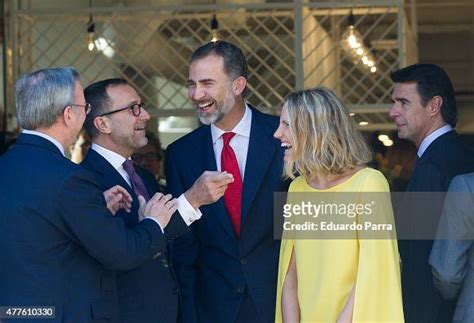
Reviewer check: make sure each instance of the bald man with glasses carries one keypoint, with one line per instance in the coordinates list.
(117, 125)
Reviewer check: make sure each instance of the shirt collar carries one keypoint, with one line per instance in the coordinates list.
(45, 136)
(432, 137)
(242, 128)
(116, 160)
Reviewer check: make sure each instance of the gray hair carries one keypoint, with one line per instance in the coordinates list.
(41, 96)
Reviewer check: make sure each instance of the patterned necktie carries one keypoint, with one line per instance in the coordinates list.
(137, 183)
(233, 193)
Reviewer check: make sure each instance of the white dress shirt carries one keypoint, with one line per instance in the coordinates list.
(432, 137)
(185, 209)
(45, 136)
(240, 145)
(114, 159)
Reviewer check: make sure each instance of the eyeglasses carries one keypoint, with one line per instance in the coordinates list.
(135, 107)
(87, 107)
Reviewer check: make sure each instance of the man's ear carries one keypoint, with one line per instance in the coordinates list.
(68, 115)
(103, 124)
(435, 105)
(238, 85)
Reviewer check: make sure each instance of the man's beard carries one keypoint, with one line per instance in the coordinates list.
(220, 110)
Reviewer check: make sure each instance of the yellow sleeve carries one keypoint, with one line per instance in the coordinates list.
(378, 296)
(285, 257)
(286, 248)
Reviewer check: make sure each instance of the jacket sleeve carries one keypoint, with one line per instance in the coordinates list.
(449, 255)
(81, 205)
(184, 248)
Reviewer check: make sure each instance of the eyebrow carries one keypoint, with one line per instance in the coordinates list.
(202, 81)
(403, 100)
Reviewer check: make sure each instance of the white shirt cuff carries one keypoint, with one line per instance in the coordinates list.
(151, 218)
(186, 210)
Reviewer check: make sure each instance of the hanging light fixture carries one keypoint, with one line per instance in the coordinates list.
(353, 44)
(98, 44)
(214, 28)
(91, 30)
(91, 34)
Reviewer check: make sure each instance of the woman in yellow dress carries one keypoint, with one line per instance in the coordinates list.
(333, 280)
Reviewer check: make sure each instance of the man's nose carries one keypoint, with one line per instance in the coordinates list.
(196, 93)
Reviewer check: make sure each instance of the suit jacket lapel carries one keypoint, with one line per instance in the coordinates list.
(110, 177)
(260, 155)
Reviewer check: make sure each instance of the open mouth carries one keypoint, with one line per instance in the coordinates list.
(141, 128)
(205, 106)
(286, 146)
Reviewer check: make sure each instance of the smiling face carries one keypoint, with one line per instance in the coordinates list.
(283, 133)
(210, 89)
(411, 117)
(127, 132)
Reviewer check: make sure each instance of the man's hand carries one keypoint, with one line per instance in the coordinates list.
(161, 208)
(118, 198)
(141, 208)
(208, 188)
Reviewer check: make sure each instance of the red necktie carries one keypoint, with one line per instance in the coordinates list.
(233, 193)
(137, 183)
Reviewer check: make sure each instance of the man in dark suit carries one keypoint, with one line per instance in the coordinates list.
(227, 265)
(116, 126)
(424, 111)
(57, 238)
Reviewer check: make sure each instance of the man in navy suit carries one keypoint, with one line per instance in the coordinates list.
(227, 265)
(57, 238)
(117, 128)
(424, 111)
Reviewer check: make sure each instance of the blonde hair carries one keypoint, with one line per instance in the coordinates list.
(325, 137)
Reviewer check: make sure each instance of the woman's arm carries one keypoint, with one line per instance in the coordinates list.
(347, 311)
(289, 298)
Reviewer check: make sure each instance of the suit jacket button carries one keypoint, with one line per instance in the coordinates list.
(240, 290)
(175, 290)
(243, 261)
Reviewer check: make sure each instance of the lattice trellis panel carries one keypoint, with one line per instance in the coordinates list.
(328, 62)
(152, 47)
(152, 50)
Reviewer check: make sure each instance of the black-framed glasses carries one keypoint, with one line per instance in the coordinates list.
(87, 107)
(135, 107)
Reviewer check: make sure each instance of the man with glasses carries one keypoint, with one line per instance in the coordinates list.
(116, 126)
(58, 239)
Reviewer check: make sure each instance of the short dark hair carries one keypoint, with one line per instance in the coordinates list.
(96, 95)
(235, 64)
(431, 81)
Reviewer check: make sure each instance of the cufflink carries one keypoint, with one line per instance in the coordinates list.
(156, 255)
